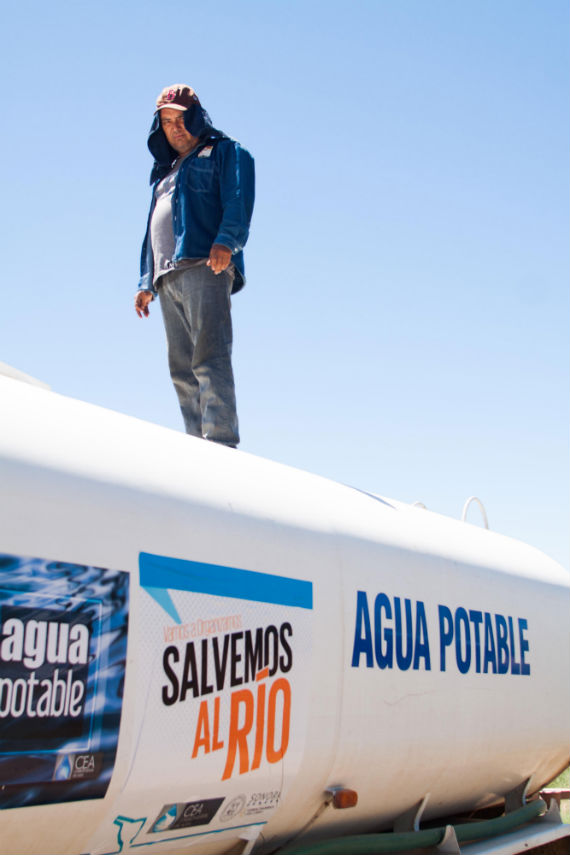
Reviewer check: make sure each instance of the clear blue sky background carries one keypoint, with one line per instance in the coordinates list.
(405, 324)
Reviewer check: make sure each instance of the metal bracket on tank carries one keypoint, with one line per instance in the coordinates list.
(449, 844)
(516, 798)
(411, 818)
(410, 821)
(552, 814)
(250, 836)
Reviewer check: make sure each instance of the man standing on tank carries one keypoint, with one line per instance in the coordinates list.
(202, 202)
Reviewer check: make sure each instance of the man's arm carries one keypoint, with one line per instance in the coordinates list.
(237, 192)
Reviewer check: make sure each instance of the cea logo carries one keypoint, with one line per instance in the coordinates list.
(71, 767)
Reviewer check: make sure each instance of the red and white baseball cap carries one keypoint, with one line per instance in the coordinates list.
(177, 97)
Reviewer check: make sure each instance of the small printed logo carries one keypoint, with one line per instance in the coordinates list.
(260, 802)
(170, 95)
(206, 151)
(63, 768)
(73, 767)
(186, 815)
(165, 818)
(233, 808)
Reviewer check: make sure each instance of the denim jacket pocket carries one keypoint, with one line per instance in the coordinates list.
(200, 175)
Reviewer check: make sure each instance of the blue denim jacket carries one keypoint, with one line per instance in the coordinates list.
(213, 197)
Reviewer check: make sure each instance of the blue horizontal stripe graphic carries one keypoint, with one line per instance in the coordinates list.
(176, 574)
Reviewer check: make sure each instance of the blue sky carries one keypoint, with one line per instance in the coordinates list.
(404, 328)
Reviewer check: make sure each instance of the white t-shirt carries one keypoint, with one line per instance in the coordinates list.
(161, 228)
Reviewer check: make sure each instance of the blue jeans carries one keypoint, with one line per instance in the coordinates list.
(195, 307)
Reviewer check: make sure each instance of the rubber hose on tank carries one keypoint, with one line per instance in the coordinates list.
(371, 844)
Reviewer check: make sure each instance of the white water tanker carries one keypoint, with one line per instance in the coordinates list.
(209, 652)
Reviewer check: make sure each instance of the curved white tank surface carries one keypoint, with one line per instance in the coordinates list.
(197, 643)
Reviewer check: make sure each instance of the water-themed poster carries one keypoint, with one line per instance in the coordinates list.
(63, 644)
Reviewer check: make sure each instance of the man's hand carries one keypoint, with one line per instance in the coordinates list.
(142, 299)
(220, 257)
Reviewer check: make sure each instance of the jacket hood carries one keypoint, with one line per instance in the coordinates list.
(196, 121)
